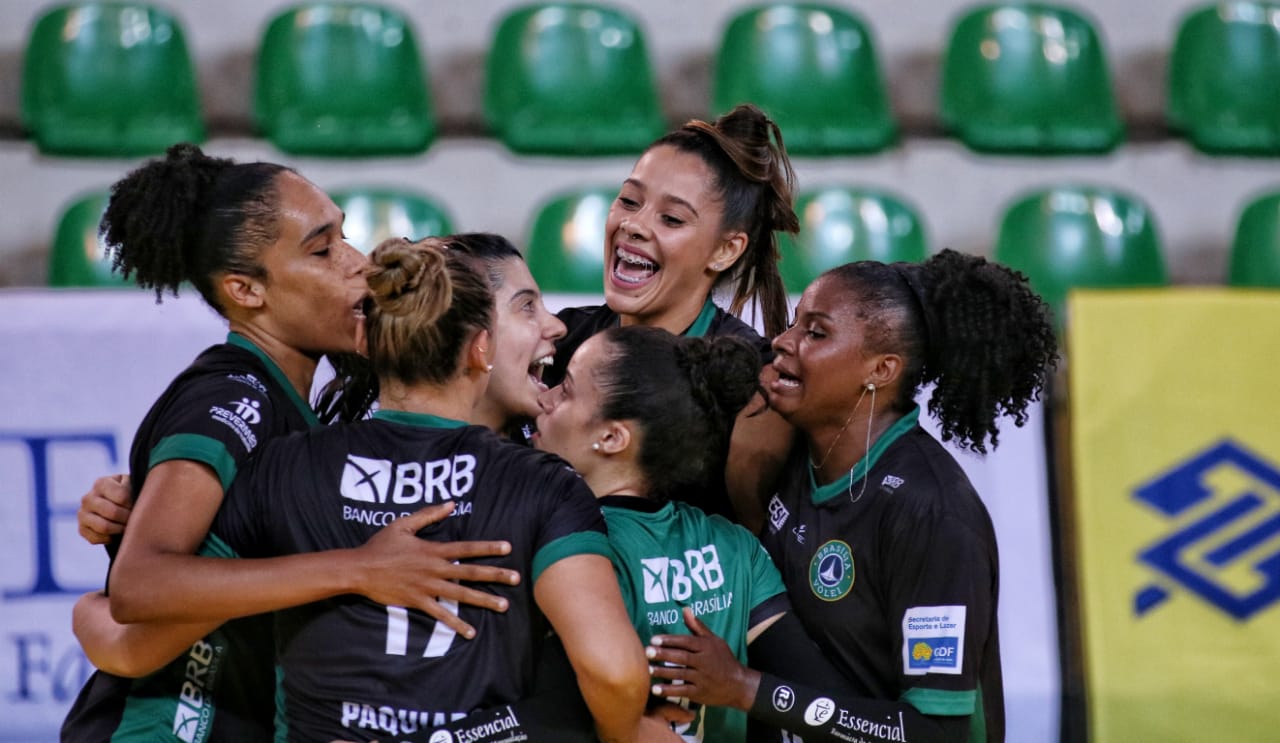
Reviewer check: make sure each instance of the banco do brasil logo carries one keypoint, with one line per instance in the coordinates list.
(1223, 509)
(831, 571)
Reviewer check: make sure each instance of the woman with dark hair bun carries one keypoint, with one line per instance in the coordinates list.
(645, 416)
(354, 669)
(888, 553)
(264, 248)
(697, 216)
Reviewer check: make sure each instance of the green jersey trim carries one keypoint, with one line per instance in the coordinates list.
(702, 323)
(309, 415)
(824, 493)
(578, 543)
(978, 721)
(197, 448)
(941, 702)
(213, 546)
(422, 420)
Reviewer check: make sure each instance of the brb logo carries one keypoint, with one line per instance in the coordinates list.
(1224, 507)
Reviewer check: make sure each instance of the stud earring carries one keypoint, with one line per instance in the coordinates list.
(595, 446)
(870, 387)
(488, 367)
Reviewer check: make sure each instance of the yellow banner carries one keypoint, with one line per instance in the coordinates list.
(1175, 409)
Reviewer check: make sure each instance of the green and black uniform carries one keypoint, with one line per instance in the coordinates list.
(892, 569)
(228, 401)
(672, 555)
(353, 669)
(712, 322)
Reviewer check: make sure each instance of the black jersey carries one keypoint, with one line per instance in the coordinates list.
(893, 571)
(353, 669)
(583, 322)
(216, 412)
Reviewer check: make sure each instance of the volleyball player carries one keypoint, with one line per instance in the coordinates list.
(887, 551)
(264, 248)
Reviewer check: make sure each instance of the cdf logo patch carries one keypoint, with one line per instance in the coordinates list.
(831, 571)
(933, 639)
(1223, 506)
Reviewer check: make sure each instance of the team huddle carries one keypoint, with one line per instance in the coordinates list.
(642, 521)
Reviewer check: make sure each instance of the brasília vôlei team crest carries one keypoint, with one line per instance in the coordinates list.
(1223, 506)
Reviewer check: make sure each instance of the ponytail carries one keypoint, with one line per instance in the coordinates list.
(756, 184)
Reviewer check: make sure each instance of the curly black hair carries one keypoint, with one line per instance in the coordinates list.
(685, 394)
(972, 328)
(190, 217)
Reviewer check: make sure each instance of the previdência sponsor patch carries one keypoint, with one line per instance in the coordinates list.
(933, 640)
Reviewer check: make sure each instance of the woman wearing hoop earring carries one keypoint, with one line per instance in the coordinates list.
(887, 551)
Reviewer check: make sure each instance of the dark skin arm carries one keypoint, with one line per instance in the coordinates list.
(712, 675)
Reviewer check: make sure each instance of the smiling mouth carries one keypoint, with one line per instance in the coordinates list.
(537, 368)
(632, 268)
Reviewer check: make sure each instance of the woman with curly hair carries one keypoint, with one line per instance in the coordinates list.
(887, 551)
(264, 248)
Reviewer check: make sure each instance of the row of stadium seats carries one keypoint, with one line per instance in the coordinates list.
(1061, 237)
(347, 79)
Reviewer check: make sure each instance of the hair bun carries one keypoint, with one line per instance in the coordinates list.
(723, 372)
(401, 268)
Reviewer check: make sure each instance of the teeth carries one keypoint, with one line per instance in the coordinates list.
(635, 260)
(547, 360)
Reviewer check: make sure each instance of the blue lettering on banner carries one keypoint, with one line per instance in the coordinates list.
(44, 511)
(44, 674)
(1225, 506)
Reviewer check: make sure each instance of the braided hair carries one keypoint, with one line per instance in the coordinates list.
(684, 394)
(756, 185)
(972, 328)
(425, 302)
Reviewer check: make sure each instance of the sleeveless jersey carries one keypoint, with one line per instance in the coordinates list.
(353, 669)
(893, 571)
(217, 411)
(672, 555)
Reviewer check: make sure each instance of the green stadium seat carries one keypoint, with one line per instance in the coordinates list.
(78, 256)
(839, 225)
(343, 79)
(1224, 78)
(813, 68)
(566, 245)
(1080, 236)
(1255, 252)
(109, 79)
(375, 214)
(571, 79)
(1028, 78)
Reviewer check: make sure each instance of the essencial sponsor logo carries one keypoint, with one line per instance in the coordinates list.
(194, 713)
(778, 513)
(819, 711)
(933, 639)
(887, 730)
(506, 723)
(1223, 509)
(673, 578)
(382, 481)
(831, 571)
